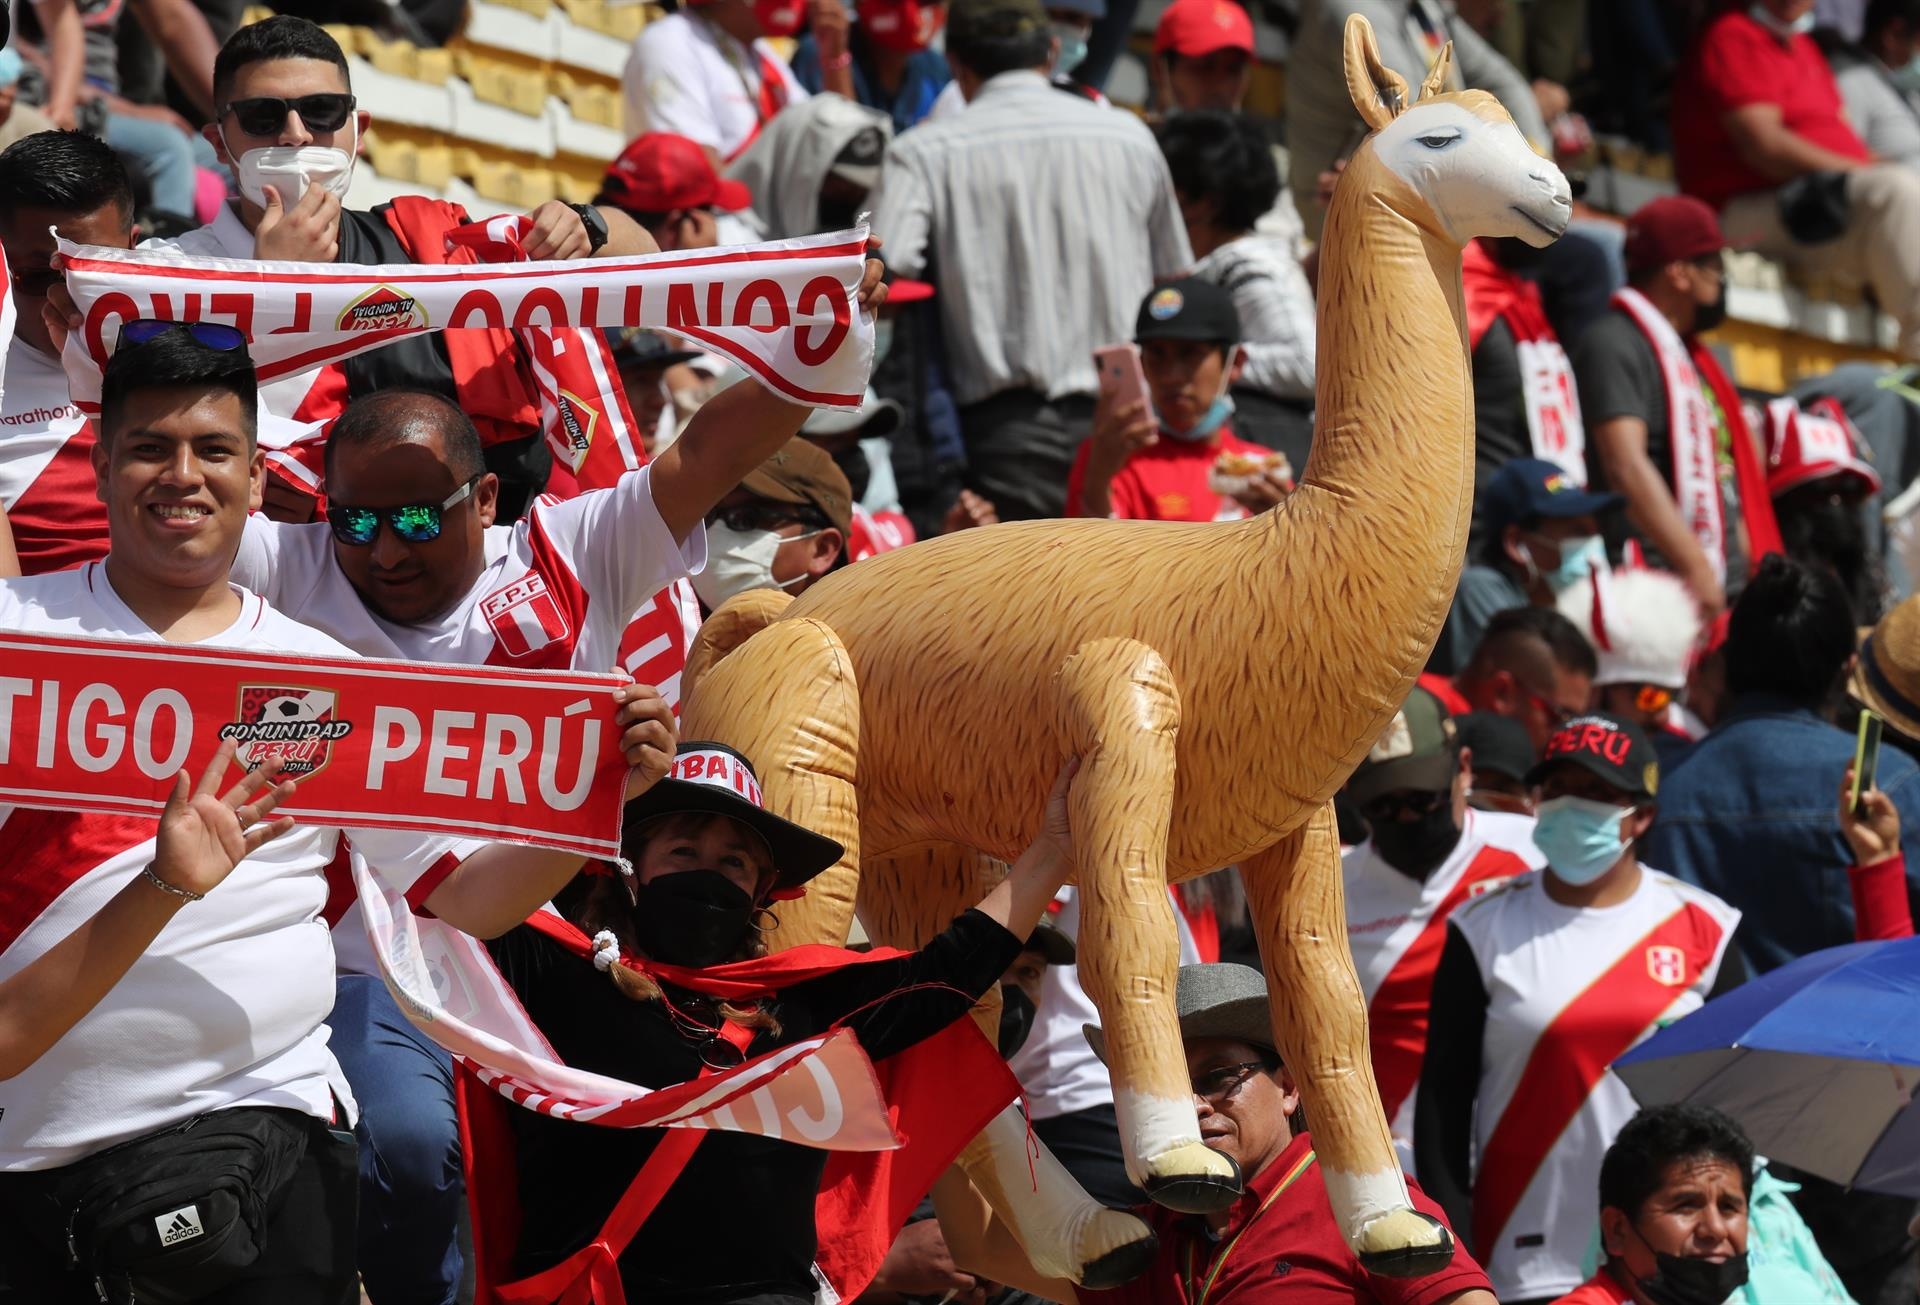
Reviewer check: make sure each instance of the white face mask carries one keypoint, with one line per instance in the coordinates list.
(290, 169)
(739, 560)
(1796, 27)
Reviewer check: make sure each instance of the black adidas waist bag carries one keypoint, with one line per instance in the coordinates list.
(170, 1217)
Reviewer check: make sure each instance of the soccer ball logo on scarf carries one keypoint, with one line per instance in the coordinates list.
(297, 725)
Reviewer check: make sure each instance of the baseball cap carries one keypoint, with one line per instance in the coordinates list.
(712, 777)
(1813, 443)
(874, 417)
(1094, 9)
(1188, 309)
(973, 21)
(803, 473)
(636, 346)
(1527, 489)
(660, 172)
(1671, 229)
(1415, 751)
(1499, 743)
(1220, 1000)
(1192, 28)
(1615, 750)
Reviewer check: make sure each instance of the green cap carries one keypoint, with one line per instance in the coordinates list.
(1414, 752)
(973, 21)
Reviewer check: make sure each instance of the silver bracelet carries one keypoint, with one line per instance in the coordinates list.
(154, 879)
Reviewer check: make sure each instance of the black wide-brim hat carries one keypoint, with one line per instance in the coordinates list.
(714, 779)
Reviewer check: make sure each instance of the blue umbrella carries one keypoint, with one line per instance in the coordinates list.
(1819, 1062)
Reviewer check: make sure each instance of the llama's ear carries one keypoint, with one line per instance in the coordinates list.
(1436, 82)
(1379, 93)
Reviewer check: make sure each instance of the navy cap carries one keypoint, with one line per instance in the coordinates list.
(1188, 309)
(1528, 489)
(1615, 750)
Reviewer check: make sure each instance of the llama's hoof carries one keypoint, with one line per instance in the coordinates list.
(1115, 1248)
(1405, 1244)
(1193, 1179)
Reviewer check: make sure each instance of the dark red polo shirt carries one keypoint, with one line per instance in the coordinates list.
(1290, 1251)
(1738, 62)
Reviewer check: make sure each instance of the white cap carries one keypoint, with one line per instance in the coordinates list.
(874, 417)
(1643, 624)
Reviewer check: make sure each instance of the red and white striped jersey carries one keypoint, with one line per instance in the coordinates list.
(560, 589)
(1569, 990)
(225, 1008)
(46, 465)
(1397, 928)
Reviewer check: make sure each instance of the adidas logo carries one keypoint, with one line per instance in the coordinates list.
(178, 1226)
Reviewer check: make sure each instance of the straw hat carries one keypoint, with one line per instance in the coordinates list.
(1887, 676)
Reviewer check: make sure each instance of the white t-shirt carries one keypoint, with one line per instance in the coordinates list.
(687, 77)
(1397, 928)
(1556, 978)
(225, 1008)
(46, 466)
(558, 592)
(1056, 1067)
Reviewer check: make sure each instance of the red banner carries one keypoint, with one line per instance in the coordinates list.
(467, 751)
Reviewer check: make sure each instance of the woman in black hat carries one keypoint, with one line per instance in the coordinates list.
(703, 860)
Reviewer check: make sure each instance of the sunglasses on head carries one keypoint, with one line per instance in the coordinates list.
(264, 115)
(417, 523)
(208, 335)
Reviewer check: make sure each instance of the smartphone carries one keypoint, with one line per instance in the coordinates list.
(1866, 757)
(1121, 380)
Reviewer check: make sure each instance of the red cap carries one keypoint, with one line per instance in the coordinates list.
(1813, 443)
(902, 290)
(1671, 229)
(660, 172)
(1192, 28)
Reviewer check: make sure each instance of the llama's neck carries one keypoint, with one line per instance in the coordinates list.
(1394, 397)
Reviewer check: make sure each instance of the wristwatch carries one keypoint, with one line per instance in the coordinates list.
(595, 224)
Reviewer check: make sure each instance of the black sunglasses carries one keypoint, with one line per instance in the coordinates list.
(209, 335)
(417, 523)
(264, 115)
(765, 516)
(1219, 1084)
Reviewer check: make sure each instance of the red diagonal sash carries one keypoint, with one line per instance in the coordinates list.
(50, 851)
(1588, 1034)
(1397, 1015)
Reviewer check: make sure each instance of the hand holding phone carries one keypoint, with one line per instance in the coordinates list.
(1121, 379)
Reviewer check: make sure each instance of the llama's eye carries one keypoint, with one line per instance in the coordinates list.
(1439, 140)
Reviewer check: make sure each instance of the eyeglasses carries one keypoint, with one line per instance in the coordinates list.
(765, 516)
(264, 115)
(1390, 806)
(1219, 1084)
(210, 335)
(417, 523)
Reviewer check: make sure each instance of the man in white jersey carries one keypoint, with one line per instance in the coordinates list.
(218, 1026)
(73, 182)
(1545, 981)
(410, 564)
(1427, 852)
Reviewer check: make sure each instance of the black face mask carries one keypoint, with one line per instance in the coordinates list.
(1694, 1282)
(1708, 316)
(1016, 1019)
(1415, 847)
(693, 918)
(853, 463)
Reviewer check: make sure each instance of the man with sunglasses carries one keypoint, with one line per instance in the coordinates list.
(1277, 1243)
(224, 1014)
(1426, 853)
(782, 527)
(75, 184)
(289, 126)
(1532, 666)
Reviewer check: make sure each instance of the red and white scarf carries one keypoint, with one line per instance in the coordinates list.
(1546, 375)
(1687, 371)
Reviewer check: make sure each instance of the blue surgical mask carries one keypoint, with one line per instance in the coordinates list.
(1906, 78)
(1073, 48)
(1579, 837)
(9, 66)
(1797, 27)
(1579, 556)
(1210, 421)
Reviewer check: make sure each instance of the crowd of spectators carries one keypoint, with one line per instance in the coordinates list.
(1627, 741)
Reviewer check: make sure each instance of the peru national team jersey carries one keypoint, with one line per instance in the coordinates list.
(1397, 928)
(225, 1008)
(560, 589)
(1569, 990)
(46, 466)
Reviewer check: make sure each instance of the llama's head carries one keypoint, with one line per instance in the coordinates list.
(1459, 151)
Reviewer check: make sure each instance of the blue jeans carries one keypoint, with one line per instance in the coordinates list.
(161, 158)
(411, 1189)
